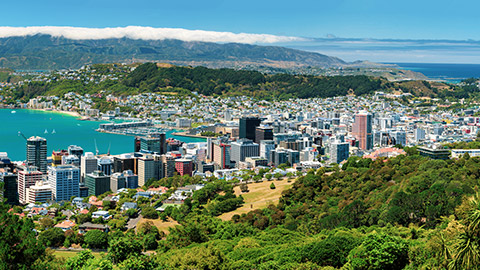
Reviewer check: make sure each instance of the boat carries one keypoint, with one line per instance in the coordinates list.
(13, 111)
(53, 132)
(46, 131)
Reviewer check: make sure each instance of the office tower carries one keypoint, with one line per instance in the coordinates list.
(37, 153)
(184, 166)
(228, 115)
(400, 137)
(263, 133)
(5, 161)
(279, 156)
(437, 130)
(97, 183)
(126, 179)
(71, 160)
(10, 187)
(243, 148)
(124, 162)
(27, 178)
(362, 130)
(39, 193)
(247, 127)
(339, 151)
(146, 169)
(266, 147)
(105, 164)
(136, 145)
(64, 181)
(419, 134)
(83, 190)
(87, 165)
(57, 157)
(204, 167)
(76, 151)
(155, 143)
(168, 166)
(221, 154)
(117, 181)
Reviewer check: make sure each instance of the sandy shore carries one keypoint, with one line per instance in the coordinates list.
(71, 113)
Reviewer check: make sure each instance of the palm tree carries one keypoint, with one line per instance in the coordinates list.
(466, 252)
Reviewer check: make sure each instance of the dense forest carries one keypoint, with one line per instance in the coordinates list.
(150, 77)
(407, 212)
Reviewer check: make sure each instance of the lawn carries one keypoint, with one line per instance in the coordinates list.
(71, 253)
(259, 196)
(161, 225)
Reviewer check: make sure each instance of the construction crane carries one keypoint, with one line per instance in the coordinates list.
(21, 134)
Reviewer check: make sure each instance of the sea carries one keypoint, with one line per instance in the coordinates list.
(61, 130)
(444, 72)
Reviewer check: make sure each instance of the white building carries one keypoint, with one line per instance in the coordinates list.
(64, 181)
(38, 193)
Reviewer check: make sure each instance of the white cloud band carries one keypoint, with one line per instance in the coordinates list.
(145, 33)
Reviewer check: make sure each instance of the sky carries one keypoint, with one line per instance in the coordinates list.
(334, 27)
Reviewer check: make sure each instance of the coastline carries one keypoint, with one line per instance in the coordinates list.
(70, 113)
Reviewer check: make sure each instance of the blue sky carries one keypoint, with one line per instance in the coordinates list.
(361, 19)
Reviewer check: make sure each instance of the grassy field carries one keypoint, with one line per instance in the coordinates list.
(161, 225)
(259, 196)
(71, 253)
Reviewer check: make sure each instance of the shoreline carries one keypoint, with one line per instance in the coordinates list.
(69, 113)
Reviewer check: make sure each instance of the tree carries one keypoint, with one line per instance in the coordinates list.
(379, 251)
(96, 239)
(272, 186)
(149, 212)
(79, 260)
(19, 248)
(244, 187)
(268, 176)
(120, 248)
(332, 251)
(52, 237)
(82, 218)
(46, 222)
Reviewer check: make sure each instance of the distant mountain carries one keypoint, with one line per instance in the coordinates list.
(43, 52)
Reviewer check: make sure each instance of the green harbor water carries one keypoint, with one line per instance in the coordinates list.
(68, 131)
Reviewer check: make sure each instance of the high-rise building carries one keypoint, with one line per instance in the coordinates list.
(38, 193)
(419, 134)
(184, 166)
(124, 162)
(76, 151)
(400, 137)
(247, 126)
(263, 133)
(362, 130)
(266, 147)
(57, 157)
(64, 181)
(146, 169)
(124, 179)
(221, 154)
(105, 164)
(242, 149)
(339, 151)
(5, 161)
(37, 153)
(156, 143)
(97, 183)
(10, 187)
(168, 166)
(27, 178)
(136, 145)
(87, 165)
(71, 160)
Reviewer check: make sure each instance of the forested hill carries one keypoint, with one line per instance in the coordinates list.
(227, 81)
(151, 78)
(44, 52)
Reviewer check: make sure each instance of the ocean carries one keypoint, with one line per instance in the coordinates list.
(444, 72)
(68, 131)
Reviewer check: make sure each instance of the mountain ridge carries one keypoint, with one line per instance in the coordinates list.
(47, 52)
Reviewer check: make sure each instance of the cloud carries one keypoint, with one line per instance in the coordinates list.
(145, 33)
